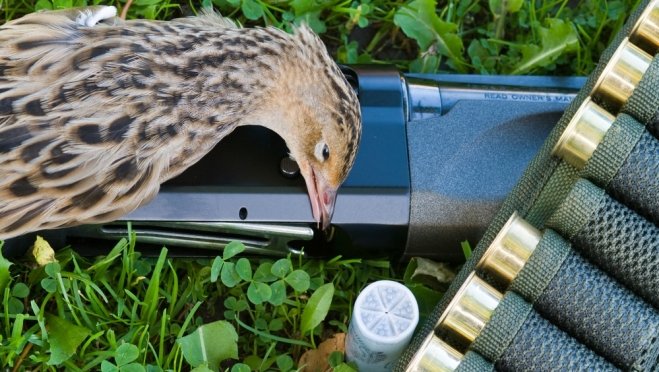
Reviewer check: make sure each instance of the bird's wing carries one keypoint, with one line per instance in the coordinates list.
(88, 131)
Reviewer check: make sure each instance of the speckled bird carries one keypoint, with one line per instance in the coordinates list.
(96, 113)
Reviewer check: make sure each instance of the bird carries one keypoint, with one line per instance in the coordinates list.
(96, 112)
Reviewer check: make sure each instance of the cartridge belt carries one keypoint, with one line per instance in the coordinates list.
(567, 275)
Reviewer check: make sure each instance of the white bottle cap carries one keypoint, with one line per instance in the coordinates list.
(384, 318)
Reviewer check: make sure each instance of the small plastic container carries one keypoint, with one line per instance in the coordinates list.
(384, 318)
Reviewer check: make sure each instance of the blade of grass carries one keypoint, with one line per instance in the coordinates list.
(151, 297)
(272, 337)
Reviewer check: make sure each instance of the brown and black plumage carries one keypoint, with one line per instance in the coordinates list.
(94, 117)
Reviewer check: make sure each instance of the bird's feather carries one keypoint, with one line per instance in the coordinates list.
(93, 119)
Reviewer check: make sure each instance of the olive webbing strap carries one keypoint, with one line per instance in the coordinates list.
(611, 154)
(626, 165)
(541, 267)
(643, 104)
(502, 327)
(472, 362)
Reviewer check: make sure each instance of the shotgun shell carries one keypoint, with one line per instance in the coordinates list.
(383, 321)
(583, 134)
(621, 75)
(470, 309)
(646, 30)
(435, 355)
(510, 250)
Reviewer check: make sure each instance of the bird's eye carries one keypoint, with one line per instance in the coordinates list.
(322, 151)
(325, 152)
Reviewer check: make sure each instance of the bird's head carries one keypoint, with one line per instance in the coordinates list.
(316, 111)
(324, 138)
(325, 154)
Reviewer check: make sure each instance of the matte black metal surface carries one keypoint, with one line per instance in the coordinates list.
(463, 165)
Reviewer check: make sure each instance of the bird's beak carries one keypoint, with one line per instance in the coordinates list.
(322, 196)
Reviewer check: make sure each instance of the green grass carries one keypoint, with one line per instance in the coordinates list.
(124, 312)
(84, 315)
(555, 37)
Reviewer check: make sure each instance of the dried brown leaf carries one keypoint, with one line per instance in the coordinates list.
(318, 360)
